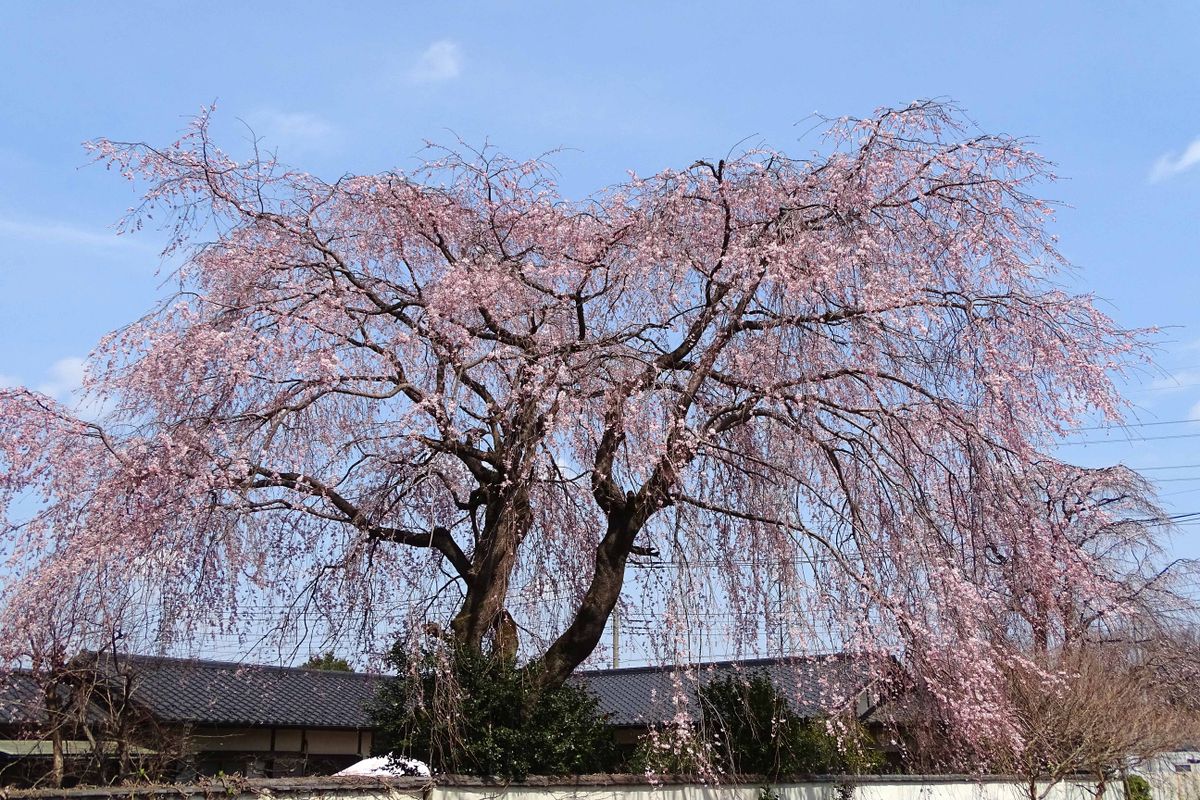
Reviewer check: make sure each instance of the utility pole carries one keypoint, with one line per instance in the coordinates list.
(779, 587)
(616, 638)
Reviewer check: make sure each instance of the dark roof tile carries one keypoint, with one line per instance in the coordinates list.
(205, 692)
(645, 695)
(21, 701)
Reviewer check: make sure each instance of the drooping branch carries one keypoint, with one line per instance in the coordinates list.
(833, 376)
(438, 537)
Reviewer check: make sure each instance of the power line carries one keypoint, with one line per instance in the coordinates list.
(1171, 466)
(1134, 425)
(1131, 439)
(1170, 388)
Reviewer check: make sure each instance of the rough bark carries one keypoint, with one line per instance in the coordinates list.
(507, 521)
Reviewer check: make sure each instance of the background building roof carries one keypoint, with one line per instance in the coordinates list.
(21, 701)
(813, 685)
(204, 692)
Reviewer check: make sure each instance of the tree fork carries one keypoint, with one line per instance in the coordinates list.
(580, 638)
(507, 522)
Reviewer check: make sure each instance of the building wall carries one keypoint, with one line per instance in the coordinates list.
(317, 741)
(230, 739)
(1174, 776)
(1177, 761)
(275, 752)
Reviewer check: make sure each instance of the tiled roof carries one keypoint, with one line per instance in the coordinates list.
(644, 695)
(205, 692)
(22, 703)
(21, 700)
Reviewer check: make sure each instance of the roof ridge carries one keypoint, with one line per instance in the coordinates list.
(733, 662)
(209, 663)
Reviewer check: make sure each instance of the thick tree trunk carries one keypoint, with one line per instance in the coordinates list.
(587, 627)
(507, 521)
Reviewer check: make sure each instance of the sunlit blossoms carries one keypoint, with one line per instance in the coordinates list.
(821, 390)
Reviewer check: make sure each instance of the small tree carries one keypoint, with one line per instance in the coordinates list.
(463, 712)
(90, 700)
(85, 689)
(1105, 711)
(329, 662)
(756, 732)
(128, 744)
(1137, 788)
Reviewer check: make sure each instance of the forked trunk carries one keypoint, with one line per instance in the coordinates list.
(482, 612)
(587, 627)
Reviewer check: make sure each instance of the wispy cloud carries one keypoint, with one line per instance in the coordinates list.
(1183, 379)
(441, 61)
(1194, 412)
(1171, 164)
(296, 130)
(63, 379)
(53, 232)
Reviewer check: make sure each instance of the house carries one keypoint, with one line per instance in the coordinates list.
(27, 747)
(22, 714)
(213, 716)
(257, 720)
(253, 719)
(1184, 760)
(21, 704)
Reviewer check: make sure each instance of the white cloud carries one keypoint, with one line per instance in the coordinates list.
(1183, 379)
(441, 61)
(63, 233)
(63, 381)
(296, 130)
(1169, 165)
(65, 377)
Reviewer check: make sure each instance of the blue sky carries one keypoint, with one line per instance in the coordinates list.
(1110, 92)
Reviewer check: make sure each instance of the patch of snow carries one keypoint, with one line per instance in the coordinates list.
(387, 765)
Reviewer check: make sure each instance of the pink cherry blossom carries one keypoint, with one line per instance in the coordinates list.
(456, 396)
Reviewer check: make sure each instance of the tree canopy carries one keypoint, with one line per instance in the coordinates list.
(455, 397)
(329, 662)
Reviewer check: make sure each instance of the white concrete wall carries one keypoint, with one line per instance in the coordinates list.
(409, 789)
(870, 789)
